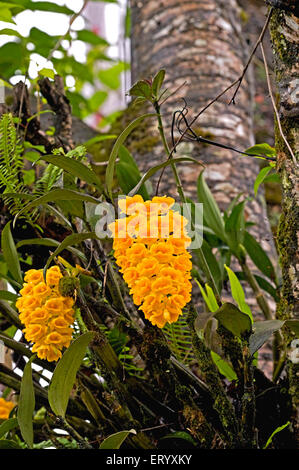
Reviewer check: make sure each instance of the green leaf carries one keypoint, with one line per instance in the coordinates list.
(233, 319)
(212, 216)
(262, 149)
(57, 195)
(49, 242)
(47, 73)
(26, 404)
(70, 240)
(260, 178)
(64, 375)
(180, 435)
(262, 330)
(158, 82)
(75, 168)
(115, 150)
(91, 38)
(293, 325)
(156, 168)
(6, 444)
(8, 425)
(128, 174)
(10, 254)
(234, 227)
(238, 293)
(209, 297)
(6, 295)
(115, 440)
(111, 77)
(142, 88)
(259, 256)
(224, 367)
(280, 428)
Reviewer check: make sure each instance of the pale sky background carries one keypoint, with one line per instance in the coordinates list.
(57, 25)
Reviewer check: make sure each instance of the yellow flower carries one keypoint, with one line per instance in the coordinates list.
(152, 257)
(46, 314)
(5, 408)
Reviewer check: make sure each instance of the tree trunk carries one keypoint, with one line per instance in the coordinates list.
(201, 42)
(285, 41)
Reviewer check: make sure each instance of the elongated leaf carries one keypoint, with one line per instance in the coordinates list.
(10, 254)
(259, 256)
(64, 375)
(8, 425)
(260, 178)
(49, 242)
(156, 168)
(6, 295)
(262, 149)
(6, 444)
(114, 153)
(262, 330)
(234, 227)
(233, 319)
(58, 195)
(157, 82)
(67, 242)
(26, 405)
(180, 435)
(115, 440)
(238, 293)
(224, 367)
(75, 168)
(280, 428)
(128, 174)
(211, 214)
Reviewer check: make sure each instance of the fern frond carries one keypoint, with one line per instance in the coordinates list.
(179, 339)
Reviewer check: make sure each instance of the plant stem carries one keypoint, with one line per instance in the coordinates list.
(198, 251)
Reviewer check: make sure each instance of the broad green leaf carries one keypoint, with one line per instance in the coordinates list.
(47, 73)
(158, 82)
(8, 425)
(114, 153)
(58, 195)
(263, 283)
(70, 240)
(262, 149)
(259, 256)
(75, 168)
(64, 375)
(156, 168)
(260, 178)
(262, 330)
(211, 214)
(224, 367)
(10, 254)
(115, 440)
(238, 292)
(233, 319)
(280, 428)
(26, 404)
(141, 89)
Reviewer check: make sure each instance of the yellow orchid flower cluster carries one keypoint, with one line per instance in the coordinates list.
(5, 408)
(46, 314)
(150, 242)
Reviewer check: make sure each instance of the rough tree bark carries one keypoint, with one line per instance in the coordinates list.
(201, 42)
(285, 41)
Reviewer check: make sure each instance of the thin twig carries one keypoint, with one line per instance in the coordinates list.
(275, 107)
